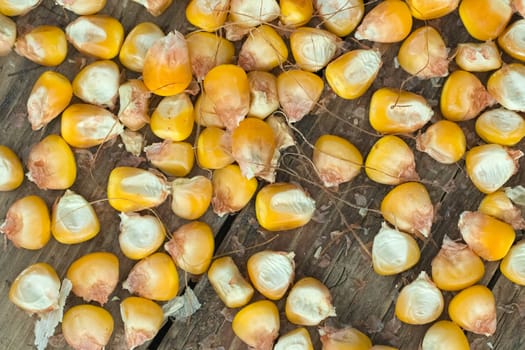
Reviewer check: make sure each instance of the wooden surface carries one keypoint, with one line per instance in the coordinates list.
(327, 248)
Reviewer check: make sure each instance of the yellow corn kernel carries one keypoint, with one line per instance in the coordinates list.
(191, 197)
(456, 266)
(283, 206)
(84, 126)
(167, 68)
(252, 13)
(271, 272)
(501, 126)
(231, 190)
(82, 7)
(49, 96)
(206, 16)
(172, 158)
(173, 118)
(228, 90)
(419, 302)
(444, 141)
(313, 48)
(444, 335)
(137, 42)
(340, 17)
(16, 7)
(99, 36)
(11, 170)
(134, 104)
(228, 283)
(87, 327)
(214, 148)
(191, 247)
(344, 338)
(298, 91)
(510, 40)
(133, 142)
(398, 111)
(389, 22)
(257, 324)
(51, 164)
(94, 276)
(296, 13)
(499, 205)
(27, 223)
(98, 83)
(391, 161)
(309, 302)
(253, 147)
(490, 166)
(140, 235)
(478, 57)
(474, 310)
(512, 264)
(204, 112)
(337, 160)
(393, 251)
(298, 338)
(408, 207)
(504, 85)
(264, 99)
(425, 9)
(36, 289)
(208, 50)
(383, 347)
(45, 45)
(352, 73)
(154, 277)
(424, 54)
(463, 97)
(73, 219)
(7, 34)
(155, 8)
(263, 49)
(488, 237)
(142, 319)
(488, 23)
(134, 189)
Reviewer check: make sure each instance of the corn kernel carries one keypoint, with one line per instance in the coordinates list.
(206, 16)
(257, 324)
(501, 126)
(389, 22)
(424, 54)
(214, 148)
(298, 91)
(172, 158)
(133, 142)
(16, 7)
(27, 223)
(500, 206)
(191, 197)
(45, 45)
(87, 327)
(84, 126)
(474, 310)
(99, 36)
(137, 43)
(191, 246)
(252, 13)
(98, 83)
(444, 141)
(167, 67)
(11, 171)
(391, 161)
(134, 189)
(73, 219)
(510, 40)
(208, 50)
(271, 272)
(173, 118)
(519, 6)
(485, 19)
(298, 338)
(512, 264)
(154, 277)
(134, 104)
(344, 338)
(94, 276)
(340, 17)
(142, 319)
(7, 35)
(283, 206)
(263, 49)
(425, 9)
(398, 111)
(352, 73)
(445, 335)
(488, 237)
(504, 85)
(205, 114)
(231, 190)
(383, 347)
(478, 57)
(82, 7)
(51, 164)
(309, 302)
(140, 235)
(264, 99)
(228, 283)
(155, 8)
(296, 13)
(313, 48)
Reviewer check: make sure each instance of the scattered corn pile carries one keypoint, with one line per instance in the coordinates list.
(261, 68)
